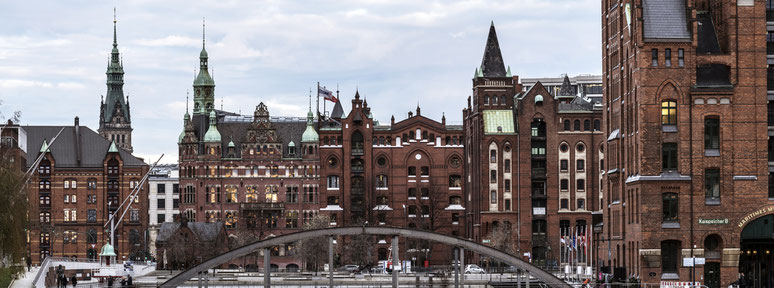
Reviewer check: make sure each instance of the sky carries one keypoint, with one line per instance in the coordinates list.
(396, 53)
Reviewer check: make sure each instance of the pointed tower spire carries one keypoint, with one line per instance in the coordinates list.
(204, 85)
(115, 35)
(115, 117)
(492, 63)
(566, 89)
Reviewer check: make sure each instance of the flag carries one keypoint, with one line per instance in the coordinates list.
(574, 242)
(562, 240)
(327, 95)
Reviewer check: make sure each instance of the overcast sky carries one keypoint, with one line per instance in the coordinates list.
(396, 52)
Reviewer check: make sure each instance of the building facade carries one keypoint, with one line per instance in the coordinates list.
(686, 169)
(532, 164)
(163, 200)
(407, 173)
(584, 85)
(257, 174)
(82, 179)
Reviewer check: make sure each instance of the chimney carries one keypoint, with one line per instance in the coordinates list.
(77, 130)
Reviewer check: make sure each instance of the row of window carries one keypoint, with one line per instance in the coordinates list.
(668, 57)
(580, 165)
(495, 100)
(252, 171)
(580, 184)
(577, 125)
(580, 204)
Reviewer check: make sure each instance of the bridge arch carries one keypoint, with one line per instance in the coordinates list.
(541, 275)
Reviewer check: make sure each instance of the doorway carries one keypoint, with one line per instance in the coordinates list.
(712, 274)
(757, 247)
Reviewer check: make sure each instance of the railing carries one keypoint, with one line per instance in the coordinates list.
(261, 206)
(43, 270)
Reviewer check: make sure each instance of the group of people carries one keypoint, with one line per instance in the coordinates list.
(125, 282)
(62, 281)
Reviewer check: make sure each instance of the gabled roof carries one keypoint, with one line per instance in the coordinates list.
(566, 89)
(206, 232)
(492, 64)
(665, 20)
(91, 146)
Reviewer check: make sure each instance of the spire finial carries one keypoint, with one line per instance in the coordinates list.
(115, 41)
(310, 99)
(203, 33)
(186, 100)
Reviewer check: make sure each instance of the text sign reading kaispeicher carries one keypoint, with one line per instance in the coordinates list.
(755, 214)
(713, 221)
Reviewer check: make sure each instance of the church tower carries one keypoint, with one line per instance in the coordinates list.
(204, 85)
(115, 124)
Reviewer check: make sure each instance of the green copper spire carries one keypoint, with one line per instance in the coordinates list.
(479, 74)
(115, 104)
(310, 135)
(113, 148)
(204, 85)
(44, 147)
(508, 74)
(212, 134)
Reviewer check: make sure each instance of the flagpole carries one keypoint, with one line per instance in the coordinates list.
(318, 101)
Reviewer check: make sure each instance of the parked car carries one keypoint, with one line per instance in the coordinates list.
(350, 268)
(473, 269)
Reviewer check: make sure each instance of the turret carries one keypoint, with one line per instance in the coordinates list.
(204, 85)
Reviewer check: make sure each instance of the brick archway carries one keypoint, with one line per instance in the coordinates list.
(541, 275)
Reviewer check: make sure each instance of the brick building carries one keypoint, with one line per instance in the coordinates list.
(407, 174)
(257, 174)
(532, 162)
(80, 181)
(685, 118)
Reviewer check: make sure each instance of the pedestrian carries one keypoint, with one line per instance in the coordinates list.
(29, 264)
(129, 282)
(74, 280)
(123, 282)
(64, 281)
(110, 282)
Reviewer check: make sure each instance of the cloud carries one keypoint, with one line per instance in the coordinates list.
(171, 41)
(395, 51)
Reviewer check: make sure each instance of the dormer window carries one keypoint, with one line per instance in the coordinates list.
(291, 151)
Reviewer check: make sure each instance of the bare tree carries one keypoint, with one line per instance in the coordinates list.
(501, 238)
(360, 250)
(314, 251)
(13, 213)
(432, 215)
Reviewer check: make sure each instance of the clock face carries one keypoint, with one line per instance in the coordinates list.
(418, 156)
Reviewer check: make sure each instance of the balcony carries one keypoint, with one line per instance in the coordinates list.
(261, 206)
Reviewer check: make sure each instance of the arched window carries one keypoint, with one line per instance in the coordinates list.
(596, 125)
(494, 100)
(502, 100)
(539, 227)
(486, 99)
(586, 125)
(576, 125)
(381, 181)
(566, 125)
(669, 207)
(44, 168)
(357, 143)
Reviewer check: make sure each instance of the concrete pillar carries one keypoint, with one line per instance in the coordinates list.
(266, 268)
(395, 260)
(462, 267)
(330, 261)
(527, 274)
(518, 278)
(456, 267)
(207, 278)
(199, 277)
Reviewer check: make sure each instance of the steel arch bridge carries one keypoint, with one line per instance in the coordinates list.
(540, 274)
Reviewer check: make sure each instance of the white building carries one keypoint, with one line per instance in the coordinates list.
(164, 198)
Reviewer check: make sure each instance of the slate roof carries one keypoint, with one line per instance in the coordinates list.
(665, 20)
(338, 111)
(578, 104)
(206, 232)
(708, 39)
(492, 64)
(89, 146)
(566, 89)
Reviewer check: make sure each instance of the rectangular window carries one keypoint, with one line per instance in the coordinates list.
(176, 188)
(507, 204)
(161, 188)
(507, 184)
(580, 165)
(175, 203)
(493, 197)
(91, 215)
(160, 218)
(654, 57)
(291, 194)
(669, 206)
(712, 185)
(134, 215)
(564, 204)
(493, 176)
(333, 182)
(581, 204)
(680, 57)
(507, 165)
(291, 219)
(161, 203)
(564, 184)
(669, 112)
(580, 184)
(771, 186)
(711, 133)
(668, 57)
(563, 165)
(669, 156)
(670, 255)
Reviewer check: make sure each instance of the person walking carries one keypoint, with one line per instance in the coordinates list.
(64, 281)
(74, 280)
(29, 263)
(110, 282)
